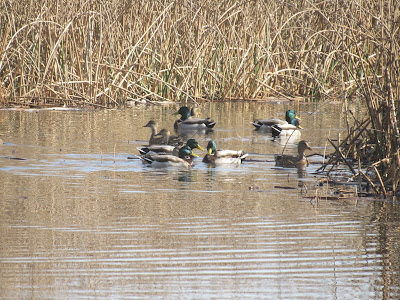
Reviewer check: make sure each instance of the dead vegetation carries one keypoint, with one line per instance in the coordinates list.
(103, 53)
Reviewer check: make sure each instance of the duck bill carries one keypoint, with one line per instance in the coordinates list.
(192, 154)
(210, 151)
(297, 117)
(200, 148)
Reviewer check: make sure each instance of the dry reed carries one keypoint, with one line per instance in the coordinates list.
(105, 52)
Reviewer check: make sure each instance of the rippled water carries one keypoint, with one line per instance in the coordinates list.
(80, 220)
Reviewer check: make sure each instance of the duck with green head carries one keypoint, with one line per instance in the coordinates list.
(289, 161)
(168, 149)
(183, 161)
(215, 156)
(187, 122)
(291, 119)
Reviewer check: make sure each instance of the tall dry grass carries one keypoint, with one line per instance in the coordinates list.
(368, 47)
(105, 52)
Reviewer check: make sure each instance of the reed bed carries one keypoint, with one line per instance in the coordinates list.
(104, 53)
(369, 69)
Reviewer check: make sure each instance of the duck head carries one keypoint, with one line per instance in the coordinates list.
(185, 152)
(303, 146)
(211, 147)
(290, 115)
(184, 111)
(295, 122)
(151, 123)
(193, 144)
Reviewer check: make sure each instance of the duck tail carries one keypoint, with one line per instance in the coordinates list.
(243, 156)
(143, 150)
(146, 160)
(276, 130)
(210, 124)
(257, 125)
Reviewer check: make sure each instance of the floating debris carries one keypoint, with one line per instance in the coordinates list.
(285, 187)
(14, 158)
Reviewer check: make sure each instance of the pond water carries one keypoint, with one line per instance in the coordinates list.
(79, 220)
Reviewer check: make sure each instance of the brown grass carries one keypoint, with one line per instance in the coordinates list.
(105, 52)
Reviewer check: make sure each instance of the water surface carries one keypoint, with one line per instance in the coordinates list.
(80, 220)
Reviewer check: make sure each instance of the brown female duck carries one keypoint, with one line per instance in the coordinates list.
(289, 161)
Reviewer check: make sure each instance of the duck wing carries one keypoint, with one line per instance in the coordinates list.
(268, 123)
(166, 160)
(197, 121)
(284, 130)
(230, 156)
(230, 153)
(156, 149)
(286, 161)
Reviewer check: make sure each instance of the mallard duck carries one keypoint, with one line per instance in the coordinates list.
(154, 139)
(289, 161)
(168, 149)
(186, 122)
(167, 160)
(215, 156)
(290, 119)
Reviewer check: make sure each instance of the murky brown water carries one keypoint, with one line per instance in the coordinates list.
(79, 220)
